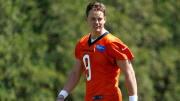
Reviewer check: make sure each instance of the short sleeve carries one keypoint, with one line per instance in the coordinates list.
(77, 51)
(119, 51)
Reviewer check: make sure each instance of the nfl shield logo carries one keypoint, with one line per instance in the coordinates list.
(100, 48)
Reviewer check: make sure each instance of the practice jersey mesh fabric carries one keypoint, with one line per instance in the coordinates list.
(101, 71)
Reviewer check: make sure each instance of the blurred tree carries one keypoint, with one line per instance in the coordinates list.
(37, 40)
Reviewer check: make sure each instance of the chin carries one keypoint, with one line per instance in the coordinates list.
(97, 31)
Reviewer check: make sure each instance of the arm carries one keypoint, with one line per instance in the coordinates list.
(130, 79)
(73, 78)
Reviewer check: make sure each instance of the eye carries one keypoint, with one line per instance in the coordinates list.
(99, 19)
(93, 19)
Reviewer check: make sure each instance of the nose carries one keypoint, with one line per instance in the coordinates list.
(96, 21)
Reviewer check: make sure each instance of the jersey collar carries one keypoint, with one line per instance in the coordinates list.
(100, 37)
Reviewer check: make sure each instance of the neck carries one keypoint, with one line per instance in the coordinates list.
(94, 35)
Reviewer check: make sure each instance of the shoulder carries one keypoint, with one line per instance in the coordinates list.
(83, 40)
(111, 39)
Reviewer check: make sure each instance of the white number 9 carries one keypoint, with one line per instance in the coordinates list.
(86, 61)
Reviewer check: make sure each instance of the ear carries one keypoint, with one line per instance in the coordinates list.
(104, 19)
(86, 19)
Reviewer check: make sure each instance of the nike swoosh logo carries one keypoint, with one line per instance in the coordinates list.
(123, 49)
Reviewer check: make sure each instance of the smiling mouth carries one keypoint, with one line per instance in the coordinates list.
(97, 27)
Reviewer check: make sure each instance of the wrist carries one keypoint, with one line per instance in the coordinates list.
(63, 94)
(133, 98)
(60, 97)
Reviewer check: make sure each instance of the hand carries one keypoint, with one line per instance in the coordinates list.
(60, 100)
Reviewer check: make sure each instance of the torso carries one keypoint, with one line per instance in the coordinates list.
(100, 68)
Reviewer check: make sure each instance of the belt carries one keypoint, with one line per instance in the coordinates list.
(97, 97)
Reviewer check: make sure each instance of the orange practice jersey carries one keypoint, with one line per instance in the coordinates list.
(99, 65)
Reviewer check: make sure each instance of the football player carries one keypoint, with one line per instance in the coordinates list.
(101, 56)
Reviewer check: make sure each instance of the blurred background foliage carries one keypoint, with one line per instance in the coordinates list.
(38, 37)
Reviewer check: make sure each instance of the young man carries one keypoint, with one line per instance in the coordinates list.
(101, 56)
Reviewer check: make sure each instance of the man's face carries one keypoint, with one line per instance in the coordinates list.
(96, 21)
